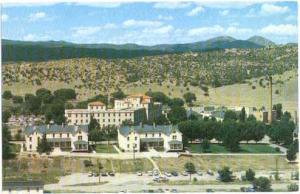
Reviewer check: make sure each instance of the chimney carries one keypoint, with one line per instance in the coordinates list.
(271, 105)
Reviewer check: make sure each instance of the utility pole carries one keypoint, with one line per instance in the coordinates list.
(276, 172)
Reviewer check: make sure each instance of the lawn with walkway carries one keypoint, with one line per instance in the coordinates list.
(244, 148)
(105, 148)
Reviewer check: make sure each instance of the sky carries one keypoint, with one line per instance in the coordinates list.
(149, 23)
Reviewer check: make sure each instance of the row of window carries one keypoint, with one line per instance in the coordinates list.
(135, 145)
(146, 135)
(98, 114)
(53, 135)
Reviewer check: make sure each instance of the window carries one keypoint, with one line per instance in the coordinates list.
(30, 138)
(125, 114)
(53, 135)
(39, 139)
(69, 115)
(30, 146)
(79, 137)
(159, 134)
(135, 138)
(76, 115)
(68, 134)
(127, 145)
(135, 145)
(81, 121)
(174, 137)
(152, 134)
(128, 138)
(28, 189)
(146, 135)
(37, 189)
(88, 121)
(60, 135)
(103, 120)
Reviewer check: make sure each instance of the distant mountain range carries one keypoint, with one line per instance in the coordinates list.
(13, 50)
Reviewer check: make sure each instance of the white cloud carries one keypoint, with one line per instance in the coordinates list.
(195, 11)
(270, 9)
(37, 16)
(35, 37)
(171, 5)
(280, 30)
(205, 30)
(290, 18)
(98, 4)
(224, 12)
(89, 30)
(161, 30)
(4, 17)
(218, 30)
(161, 17)
(141, 23)
(228, 4)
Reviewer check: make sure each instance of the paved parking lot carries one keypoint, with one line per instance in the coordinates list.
(134, 183)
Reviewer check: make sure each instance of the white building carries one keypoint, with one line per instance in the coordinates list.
(20, 187)
(142, 137)
(67, 138)
(135, 108)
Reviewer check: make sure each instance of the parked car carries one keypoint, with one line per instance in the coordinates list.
(156, 179)
(173, 190)
(160, 190)
(103, 174)
(90, 174)
(168, 174)
(210, 172)
(156, 173)
(199, 173)
(111, 173)
(209, 190)
(150, 173)
(184, 173)
(174, 173)
(95, 174)
(139, 173)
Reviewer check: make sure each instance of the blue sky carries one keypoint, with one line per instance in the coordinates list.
(149, 23)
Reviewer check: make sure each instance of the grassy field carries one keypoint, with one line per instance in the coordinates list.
(50, 169)
(103, 148)
(263, 162)
(237, 94)
(231, 95)
(244, 148)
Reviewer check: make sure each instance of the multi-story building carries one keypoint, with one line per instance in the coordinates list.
(143, 137)
(66, 137)
(135, 108)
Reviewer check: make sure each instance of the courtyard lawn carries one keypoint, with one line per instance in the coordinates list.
(104, 148)
(263, 162)
(244, 148)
